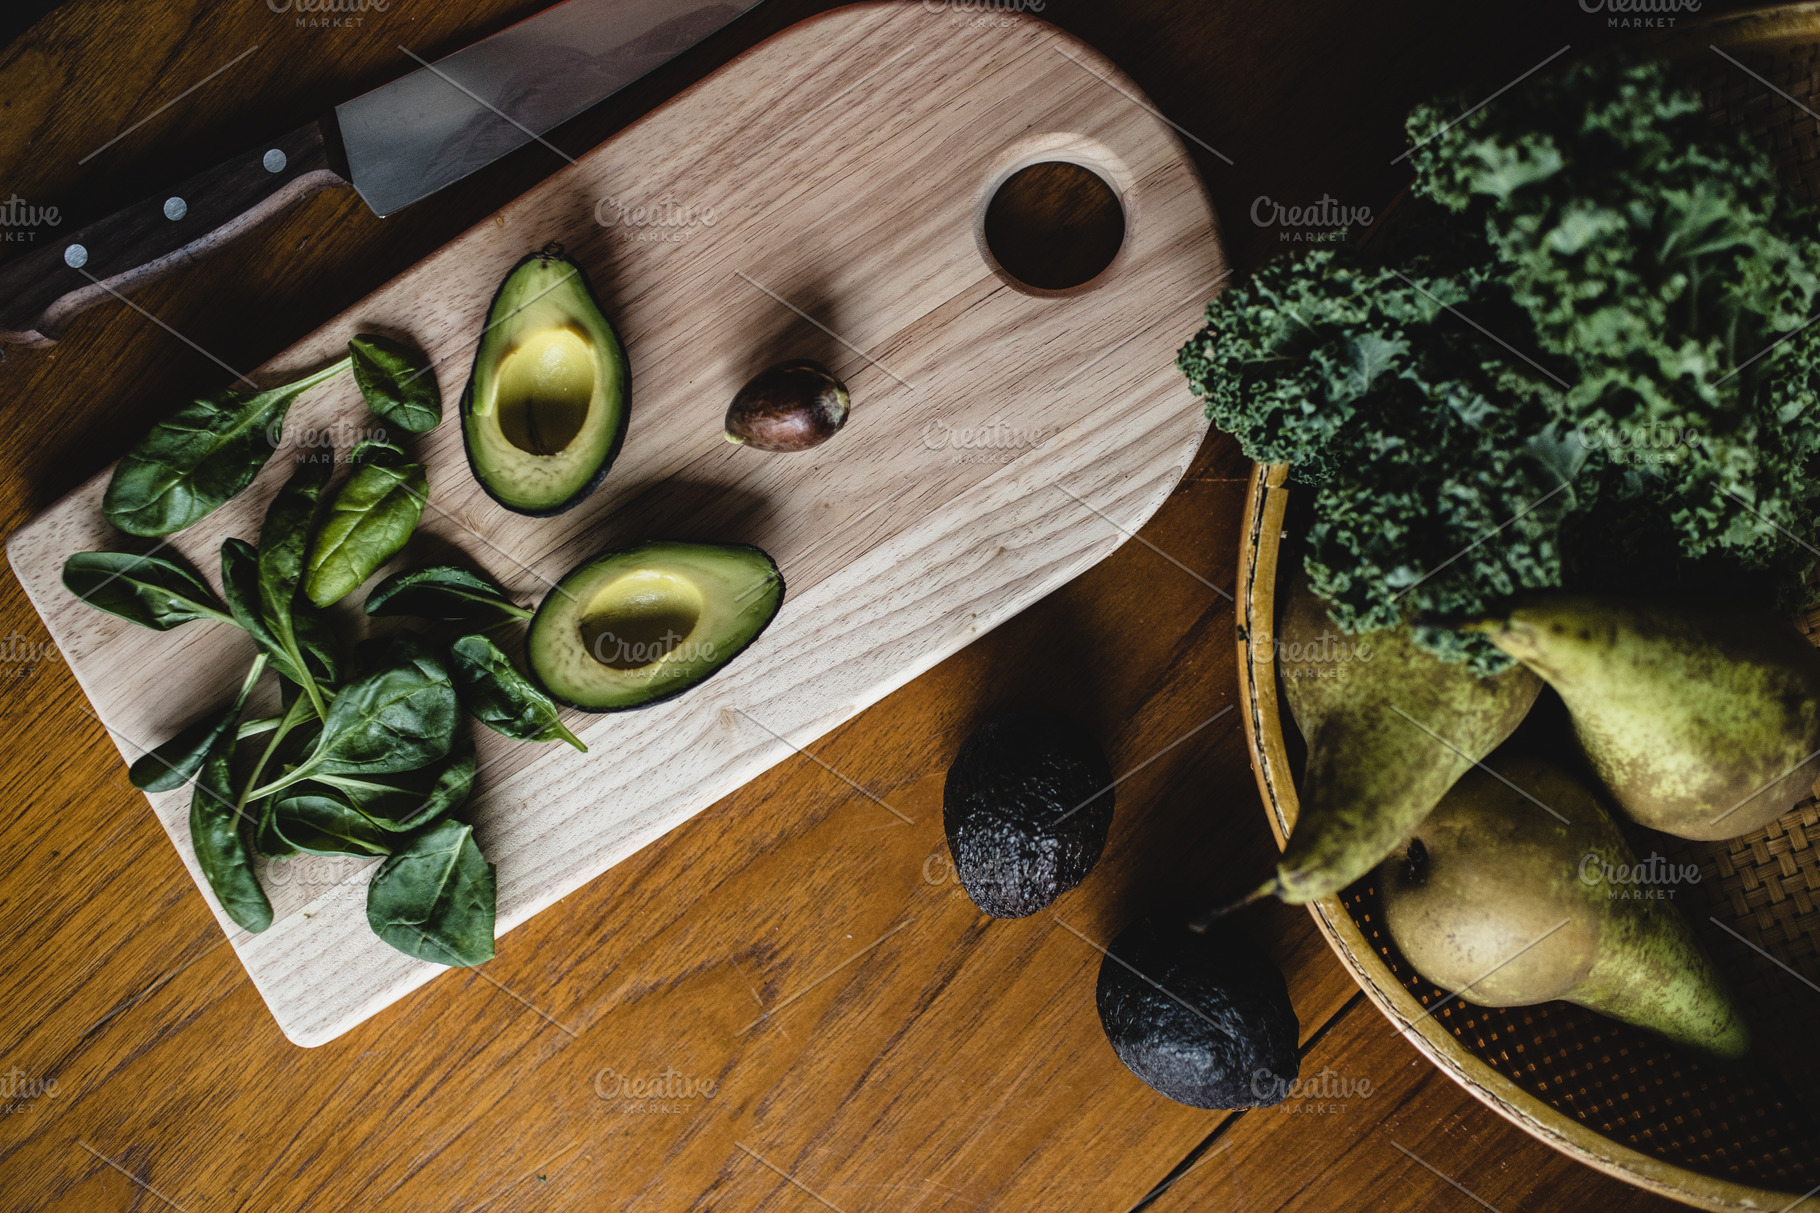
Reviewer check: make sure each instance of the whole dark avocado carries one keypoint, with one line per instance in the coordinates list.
(1026, 808)
(1219, 1032)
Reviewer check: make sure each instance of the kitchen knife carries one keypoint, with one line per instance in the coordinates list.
(394, 145)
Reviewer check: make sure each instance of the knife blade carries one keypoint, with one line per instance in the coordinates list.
(408, 139)
(394, 145)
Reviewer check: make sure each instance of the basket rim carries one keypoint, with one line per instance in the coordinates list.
(1261, 538)
(1762, 28)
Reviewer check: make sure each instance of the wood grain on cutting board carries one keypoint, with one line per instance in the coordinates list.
(1002, 440)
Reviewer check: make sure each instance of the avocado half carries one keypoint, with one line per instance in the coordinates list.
(642, 624)
(546, 406)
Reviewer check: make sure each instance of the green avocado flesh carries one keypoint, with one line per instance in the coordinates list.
(631, 627)
(546, 407)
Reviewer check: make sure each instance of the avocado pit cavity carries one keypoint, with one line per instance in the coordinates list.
(544, 388)
(640, 619)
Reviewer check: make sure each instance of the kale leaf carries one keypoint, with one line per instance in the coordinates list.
(1578, 355)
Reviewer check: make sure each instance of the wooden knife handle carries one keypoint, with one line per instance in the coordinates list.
(41, 290)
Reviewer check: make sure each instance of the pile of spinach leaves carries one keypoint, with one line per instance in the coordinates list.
(366, 756)
(1581, 353)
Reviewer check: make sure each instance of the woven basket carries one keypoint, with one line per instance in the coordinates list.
(1615, 1097)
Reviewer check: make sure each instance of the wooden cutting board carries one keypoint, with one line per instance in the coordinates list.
(822, 196)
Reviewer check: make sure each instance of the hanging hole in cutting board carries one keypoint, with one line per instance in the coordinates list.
(1054, 225)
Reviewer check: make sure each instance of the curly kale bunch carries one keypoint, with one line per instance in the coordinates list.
(1578, 355)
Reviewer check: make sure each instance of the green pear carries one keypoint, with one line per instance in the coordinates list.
(1389, 727)
(1701, 723)
(1499, 901)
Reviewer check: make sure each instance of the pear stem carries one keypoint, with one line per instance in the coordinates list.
(1268, 888)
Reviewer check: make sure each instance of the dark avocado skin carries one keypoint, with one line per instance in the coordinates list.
(1010, 808)
(783, 591)
(1208, 1060)
(548, 253)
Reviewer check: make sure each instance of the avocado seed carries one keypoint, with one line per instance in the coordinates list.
(790, 407)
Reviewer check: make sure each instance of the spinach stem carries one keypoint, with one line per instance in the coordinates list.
(297, 775)
(289, 721)
(279, 784)
(246, 684)
(310, 688)
(350, 784)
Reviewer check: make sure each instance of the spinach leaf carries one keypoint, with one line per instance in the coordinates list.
(266, 838)
(410, 800)
(284, 539)
(396, 381)
(320, 643)
(194, 460)
(378, 450)
(172, 764)
(319, 824)
(397, 718)
(448, 593)
(220, 846)
(240, 586)
(498, 696)
(435, 900)
(372, 516)
(177, 760)
(403, 647)
(152, 591)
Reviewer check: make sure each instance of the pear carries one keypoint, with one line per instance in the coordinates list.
(1502, 903)
(1389, 727)
(1701, 723)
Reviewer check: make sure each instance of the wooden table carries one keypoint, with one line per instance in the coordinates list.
(787, 1004)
